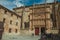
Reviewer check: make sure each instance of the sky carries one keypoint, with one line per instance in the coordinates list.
(10, 4)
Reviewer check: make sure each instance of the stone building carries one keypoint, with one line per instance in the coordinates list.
(45, 16)
(24, 12)
(11, 21)
(58, 17)
(41, 17)
(36, 17)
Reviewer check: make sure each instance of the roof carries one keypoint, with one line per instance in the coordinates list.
(9, 10)
(22, 7)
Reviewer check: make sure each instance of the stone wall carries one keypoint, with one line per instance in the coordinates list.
(41, 17)
(24, 12)
(9, 16)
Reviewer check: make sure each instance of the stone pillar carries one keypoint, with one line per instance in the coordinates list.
(23, 25)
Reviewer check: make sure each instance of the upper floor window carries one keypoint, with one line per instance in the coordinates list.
(10, 21)
(26, 24)
(17, 17)
(16, 30)
(11, 14)
(5, 12)
(4, 20)
(51, 16)
(9, 30)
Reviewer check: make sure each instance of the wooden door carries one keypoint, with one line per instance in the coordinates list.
(36, 30)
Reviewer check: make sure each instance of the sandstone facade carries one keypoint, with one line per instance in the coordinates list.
(12, 22)
(40, 16)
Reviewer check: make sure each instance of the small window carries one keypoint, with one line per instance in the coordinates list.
(10, 21)
(17, 17)
(26, 24)
(9, 30)
(5, 12)
(16, 23)
(16, 30)
(4, 20)
(51, 16)
(11, 14)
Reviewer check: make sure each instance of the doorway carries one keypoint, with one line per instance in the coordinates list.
(42, 30)
(36, 30)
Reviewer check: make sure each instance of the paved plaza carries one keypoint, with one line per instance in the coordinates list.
(20, 37)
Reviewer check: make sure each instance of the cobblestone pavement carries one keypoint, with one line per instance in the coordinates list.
(20, 37)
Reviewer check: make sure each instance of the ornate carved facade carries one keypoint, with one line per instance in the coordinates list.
(43, 16)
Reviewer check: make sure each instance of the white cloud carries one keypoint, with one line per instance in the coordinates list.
(50, 1)
(14, 3)
(17, 3)
(7, 3)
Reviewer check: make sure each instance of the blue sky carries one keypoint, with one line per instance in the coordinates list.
(10, 4)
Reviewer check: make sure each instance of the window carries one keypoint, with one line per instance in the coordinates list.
(5, 12)
(17, 17)
(51, 16)
(16, 30)
(4, 20)
(16, 23)
(26, 24)
(10, 21)
(11, 14)
(36, 15)
(9, 30)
